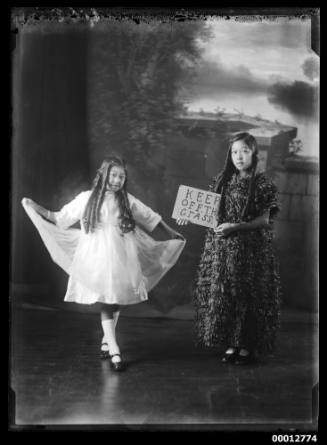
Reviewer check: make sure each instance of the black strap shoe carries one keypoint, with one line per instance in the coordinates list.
(244, 359)
(116, 366)
(230, 357)
(104, 354)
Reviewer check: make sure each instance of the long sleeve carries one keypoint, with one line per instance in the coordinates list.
(143, 215)
(73, 211)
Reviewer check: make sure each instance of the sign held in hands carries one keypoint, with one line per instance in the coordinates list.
(196, 205)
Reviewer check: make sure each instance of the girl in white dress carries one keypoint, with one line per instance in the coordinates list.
(110, 261)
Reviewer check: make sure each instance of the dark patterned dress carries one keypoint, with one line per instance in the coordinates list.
(237, 295)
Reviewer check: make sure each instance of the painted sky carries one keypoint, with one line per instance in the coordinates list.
(264, 68)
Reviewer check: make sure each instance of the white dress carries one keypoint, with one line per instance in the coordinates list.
(105, 265)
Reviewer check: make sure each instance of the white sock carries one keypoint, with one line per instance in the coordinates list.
(105, 347)
(108, 327)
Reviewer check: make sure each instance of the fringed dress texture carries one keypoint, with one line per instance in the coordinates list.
(237, 295)
(106, 265)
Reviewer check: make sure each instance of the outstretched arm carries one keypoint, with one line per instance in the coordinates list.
(169, 230)
(41, 210)
(257, 223)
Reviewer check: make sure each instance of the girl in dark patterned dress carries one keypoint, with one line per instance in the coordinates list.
(237, 295)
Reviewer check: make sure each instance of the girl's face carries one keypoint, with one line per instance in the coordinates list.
(117, 178)
(241, 156)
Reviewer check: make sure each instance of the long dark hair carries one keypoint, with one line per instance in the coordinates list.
(91, 215)
(228, 171)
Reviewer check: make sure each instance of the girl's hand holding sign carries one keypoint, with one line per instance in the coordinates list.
(182, 222)
(225, 229)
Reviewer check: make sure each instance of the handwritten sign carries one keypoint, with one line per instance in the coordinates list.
(196, 205)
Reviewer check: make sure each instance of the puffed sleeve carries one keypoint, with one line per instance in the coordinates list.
(266, 196)
(73, 211)
(143, 215)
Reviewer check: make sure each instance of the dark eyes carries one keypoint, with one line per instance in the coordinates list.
(244, 150)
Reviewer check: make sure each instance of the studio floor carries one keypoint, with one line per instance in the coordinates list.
(57, 378)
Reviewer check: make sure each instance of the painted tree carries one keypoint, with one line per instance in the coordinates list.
(136, 78)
